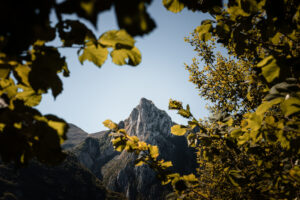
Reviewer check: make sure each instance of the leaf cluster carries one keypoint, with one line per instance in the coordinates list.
(249, 148)
(148, 154)
(30, 65)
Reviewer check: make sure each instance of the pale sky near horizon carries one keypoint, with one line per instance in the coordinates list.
(92, 95)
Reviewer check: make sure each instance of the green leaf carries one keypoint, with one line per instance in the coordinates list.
(110, 124)
(290, 106)
(174, 6)
(93, 53)
(270, 69)
(125, 56)
(117, 39)
(178, 130)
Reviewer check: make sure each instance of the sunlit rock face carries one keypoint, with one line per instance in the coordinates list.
(117, 170)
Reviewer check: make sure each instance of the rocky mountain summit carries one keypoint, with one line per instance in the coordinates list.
(94, 170)
(117, 171)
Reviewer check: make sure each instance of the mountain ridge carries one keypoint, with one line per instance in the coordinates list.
(117, 170)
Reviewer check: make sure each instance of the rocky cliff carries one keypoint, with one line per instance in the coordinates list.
(117, 171)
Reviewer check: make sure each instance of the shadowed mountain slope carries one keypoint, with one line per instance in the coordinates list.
(117, 170)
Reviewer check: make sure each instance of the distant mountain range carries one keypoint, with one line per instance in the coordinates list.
(99, 165)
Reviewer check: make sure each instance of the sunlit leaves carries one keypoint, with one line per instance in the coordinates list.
(29, 96)
(146, 153)
(117, 39)
(153, 150)
(23, 72)
(270, 69)
(110, 124)
(4, 70)
(291, 106)
(94, 53)
(204, 30)
(178, 130)
(126, 56)
(175, 105)
(173, 5)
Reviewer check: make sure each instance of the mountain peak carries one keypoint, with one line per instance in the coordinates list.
(145, 103)
(146, 120)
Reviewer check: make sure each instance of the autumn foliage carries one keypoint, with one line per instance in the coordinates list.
(249, 147)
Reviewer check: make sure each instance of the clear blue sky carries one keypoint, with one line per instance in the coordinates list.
(92, 95)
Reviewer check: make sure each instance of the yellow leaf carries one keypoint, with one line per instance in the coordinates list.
(270, 69)
(174, 105)
(126, 56)
(93, 53)
(166, 164)
(88, 7)
(153, 150)
(23, 73)
(266, 105)
(60, 129)
(190, 178)
(178, 130)
(4, 70)
(110, 124)
(291, 106)
(29, 96)
(2, 126)
(9, 87)
(174, 6)
(204, 31)
(18, 125)
(139, 163)
(117, 39)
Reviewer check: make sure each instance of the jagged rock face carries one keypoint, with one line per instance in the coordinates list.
(118, 171)
(153, 126)
(68, 181)
(147, 121)
(95, 151)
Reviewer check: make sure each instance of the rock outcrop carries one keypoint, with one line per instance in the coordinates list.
(118, 172)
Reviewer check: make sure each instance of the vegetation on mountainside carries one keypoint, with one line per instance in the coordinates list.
(249, 147)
